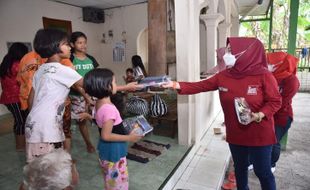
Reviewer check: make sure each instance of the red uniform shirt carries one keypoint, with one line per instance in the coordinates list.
(288, 87)
(10, 87)
(260, 92)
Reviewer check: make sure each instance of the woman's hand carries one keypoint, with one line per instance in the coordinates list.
(257, 117)
(171, 84)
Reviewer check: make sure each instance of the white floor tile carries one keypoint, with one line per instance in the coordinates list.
(207, 178)
(187, 173)
(194, 161)
(206, 140)
(192, 186)
(210, 164)
(180, 185)
(202, 151)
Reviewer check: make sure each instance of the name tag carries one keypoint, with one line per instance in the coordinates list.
(252, 90)
(280, 89)
(223, 89)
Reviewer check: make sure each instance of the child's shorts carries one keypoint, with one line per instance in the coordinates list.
(115, 174)
(34, 150)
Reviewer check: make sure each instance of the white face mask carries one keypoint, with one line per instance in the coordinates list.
(271, 68)
(229, 59)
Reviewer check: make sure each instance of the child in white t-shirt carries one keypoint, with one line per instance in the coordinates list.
(50, 88)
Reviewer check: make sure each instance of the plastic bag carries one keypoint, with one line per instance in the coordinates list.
(137, 106)
(158, 106)
(243, 110)
(155, 81)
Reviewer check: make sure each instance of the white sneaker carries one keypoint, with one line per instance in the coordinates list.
(273, 169)
(250, 167)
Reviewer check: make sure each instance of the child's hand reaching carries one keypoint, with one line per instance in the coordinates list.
(89, 100)
(133, 86)
(84, 116)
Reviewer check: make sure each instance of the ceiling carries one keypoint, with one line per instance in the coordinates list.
(243, 6)
(102, 4)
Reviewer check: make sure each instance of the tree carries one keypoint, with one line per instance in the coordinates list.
(260, 29)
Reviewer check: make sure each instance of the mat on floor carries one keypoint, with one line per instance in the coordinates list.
(146, 150)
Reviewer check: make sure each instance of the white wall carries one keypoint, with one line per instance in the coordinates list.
(142, 46)
(132, 19)
(20, 19)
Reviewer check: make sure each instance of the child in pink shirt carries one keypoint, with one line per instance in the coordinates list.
(112, 147)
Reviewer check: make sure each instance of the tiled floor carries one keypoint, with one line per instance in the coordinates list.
(148, 176)
(293, 168)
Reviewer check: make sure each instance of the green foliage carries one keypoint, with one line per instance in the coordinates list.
(260, 29)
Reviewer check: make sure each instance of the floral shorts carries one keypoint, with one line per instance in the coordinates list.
(115, 174)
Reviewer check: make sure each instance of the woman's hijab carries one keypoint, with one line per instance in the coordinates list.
(285, 64)
(251, 59)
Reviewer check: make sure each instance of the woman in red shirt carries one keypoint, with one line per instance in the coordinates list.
(10, 90)
(283, 67)
(246, 75)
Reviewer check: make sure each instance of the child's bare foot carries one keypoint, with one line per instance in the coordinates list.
(90, 148)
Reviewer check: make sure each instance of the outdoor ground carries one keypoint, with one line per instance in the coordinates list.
(293, 168)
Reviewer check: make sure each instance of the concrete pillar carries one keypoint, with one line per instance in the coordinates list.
(157, 22)
(211, 21)
(234, 31)
(292, 33)
(225, 9)
(224, 32)
(212, 6)
(234, 19)
(224, 27)
(188, 64)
